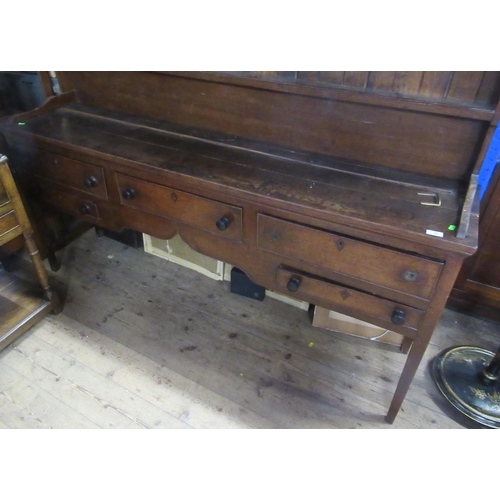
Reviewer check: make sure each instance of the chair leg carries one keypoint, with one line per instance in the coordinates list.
(42, 275)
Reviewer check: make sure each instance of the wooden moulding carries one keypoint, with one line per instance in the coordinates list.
(470, 208)
(52, 103)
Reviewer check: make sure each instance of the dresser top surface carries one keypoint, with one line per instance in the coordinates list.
(359, 195)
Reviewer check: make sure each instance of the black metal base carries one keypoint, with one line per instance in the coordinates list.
(241, 284)
(458, 372)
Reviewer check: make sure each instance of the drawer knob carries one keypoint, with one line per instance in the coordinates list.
(293, 284)
(128, 194)
(411, 275)
(223, 223)
(398, 317)
(90, 182)
(84, 209)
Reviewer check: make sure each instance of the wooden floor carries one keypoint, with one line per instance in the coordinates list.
(145, 343)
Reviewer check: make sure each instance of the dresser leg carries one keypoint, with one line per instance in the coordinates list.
(425, 331)
(413, 360)
(54, 263)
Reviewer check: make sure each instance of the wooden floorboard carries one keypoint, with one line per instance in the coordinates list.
(146, 343)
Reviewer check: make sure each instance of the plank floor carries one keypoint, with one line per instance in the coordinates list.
(146, 343)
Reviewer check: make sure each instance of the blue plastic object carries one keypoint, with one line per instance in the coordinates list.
(489, 163)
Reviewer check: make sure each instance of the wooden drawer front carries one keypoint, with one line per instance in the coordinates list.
(183, 207)
(72, 173)
(69, 203)
(8, 222)
(381, 266)
(311, 288)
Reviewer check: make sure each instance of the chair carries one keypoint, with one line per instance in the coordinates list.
(21, 303)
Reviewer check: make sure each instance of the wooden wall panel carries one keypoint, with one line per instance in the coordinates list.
(308, 76)
(489, 90)
(481, 88)
(465, 85)
(381, 80)
(364, 133)
(407, 82)
(435, 83)
(356, 79)
(332, 77)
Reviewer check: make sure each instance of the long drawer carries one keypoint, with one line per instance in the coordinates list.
(209, 215)
(393, 315)
(72, 173)
(368, 262)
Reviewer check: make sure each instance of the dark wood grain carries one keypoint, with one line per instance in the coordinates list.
(332, 77)
(407, 82)
(308, 76)
(435, 83)
(356, 79)
(381, 80)
(464, 85)
(489, 89)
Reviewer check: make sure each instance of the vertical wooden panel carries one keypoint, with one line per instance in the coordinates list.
(489, 90)
(381, 80)
(465, 85)
(308, 76)
(435, 83)
(407, 82)
(332, 77)
(356, 79)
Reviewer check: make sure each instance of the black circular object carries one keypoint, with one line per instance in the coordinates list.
(459, 375)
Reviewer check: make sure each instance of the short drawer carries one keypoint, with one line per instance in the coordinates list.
(378, 265)
(393, 315)
(8, 221)
(72, 173)
(213, 216)
(69, 203)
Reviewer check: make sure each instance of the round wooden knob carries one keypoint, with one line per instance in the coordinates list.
(398, 317)
(84, 209)
(90, 182)
(128, 194)
(223, 223)
(293, 284)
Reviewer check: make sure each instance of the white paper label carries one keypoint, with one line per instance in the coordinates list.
(430, 232)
